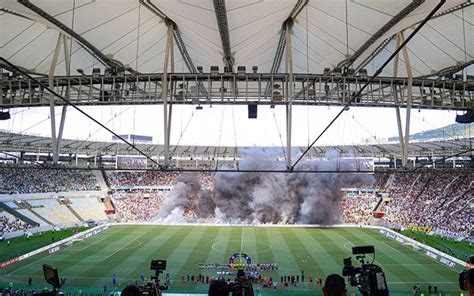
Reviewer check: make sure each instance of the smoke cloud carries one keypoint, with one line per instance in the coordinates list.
(277, 198)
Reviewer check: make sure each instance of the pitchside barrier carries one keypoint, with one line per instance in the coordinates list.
(428, 251)
(55, 247)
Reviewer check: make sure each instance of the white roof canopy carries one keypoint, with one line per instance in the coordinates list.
(323, 33)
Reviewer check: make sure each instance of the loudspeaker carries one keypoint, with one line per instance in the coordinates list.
(4, 115)
(467, 117)
(252, 111)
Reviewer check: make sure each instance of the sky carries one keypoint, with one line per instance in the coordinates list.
(229, 125)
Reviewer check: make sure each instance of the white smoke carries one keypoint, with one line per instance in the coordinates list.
(251, 197)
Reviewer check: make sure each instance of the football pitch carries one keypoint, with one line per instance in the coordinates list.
(126, 251)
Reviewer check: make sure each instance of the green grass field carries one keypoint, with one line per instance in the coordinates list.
(22, 245)
(126, 251)
(461, 250)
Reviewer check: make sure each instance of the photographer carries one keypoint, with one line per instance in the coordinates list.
(334, 286)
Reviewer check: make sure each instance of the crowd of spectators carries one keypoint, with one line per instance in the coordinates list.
(142, 178)
(440, 201)
(137, 206)
(358, 208)
(36, 180)
(437, 200)
(7, 224)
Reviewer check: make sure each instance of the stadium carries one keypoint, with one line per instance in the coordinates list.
(236, 147)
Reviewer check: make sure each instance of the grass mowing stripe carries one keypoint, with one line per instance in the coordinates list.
(147, 245)
(303, 257)
(201, 249)
(313, 242)
(183, 250)
(220, 241)
(281, 251)
(163, 247)
(110, 262)
(250, 246)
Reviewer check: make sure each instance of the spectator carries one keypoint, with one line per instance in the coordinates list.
(334, 286)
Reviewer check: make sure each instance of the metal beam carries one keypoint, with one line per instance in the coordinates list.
(166, 123)
(406, 58)
(67, 64)
(385, 28)
(68, 102)
(288, 23)
(95, 52)
(397, 108)
(20, 91)
(289, 106)
(373, 54)
(449, 71)
(221, 16)
(52, 113)
(177, 38)
(379, 70)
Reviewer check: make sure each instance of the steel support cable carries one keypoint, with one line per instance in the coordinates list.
(279, 134)
(288, 23)
(68, 102)
(178, 41)
(87, 45)
(385, 28)
(356, 95)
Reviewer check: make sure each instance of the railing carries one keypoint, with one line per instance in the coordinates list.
(218, 88)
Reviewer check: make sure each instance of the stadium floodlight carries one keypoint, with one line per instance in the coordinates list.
(214, 69)
(241, 69)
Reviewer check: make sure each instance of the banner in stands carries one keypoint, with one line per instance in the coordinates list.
(419, 228)
(131, 162)
(378, 215)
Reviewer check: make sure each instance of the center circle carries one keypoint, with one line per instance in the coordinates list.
(222, 246)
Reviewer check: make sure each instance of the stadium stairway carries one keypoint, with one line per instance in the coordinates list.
(68, 205)
(29, 208)
(99, 175)
(18, 215)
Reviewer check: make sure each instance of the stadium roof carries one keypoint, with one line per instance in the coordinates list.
(12, 142)
(325, 33)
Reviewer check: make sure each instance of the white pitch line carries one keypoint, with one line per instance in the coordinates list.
(87, 246)
(121, 248)
(242, 241)
(35, 261)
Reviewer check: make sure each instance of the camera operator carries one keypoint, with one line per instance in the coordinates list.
(242, 285)
(218, 288)
(466, 278)
(469, 282)
(334, 286)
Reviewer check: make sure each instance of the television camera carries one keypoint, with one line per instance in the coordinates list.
(154, 288)
(369, 277)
